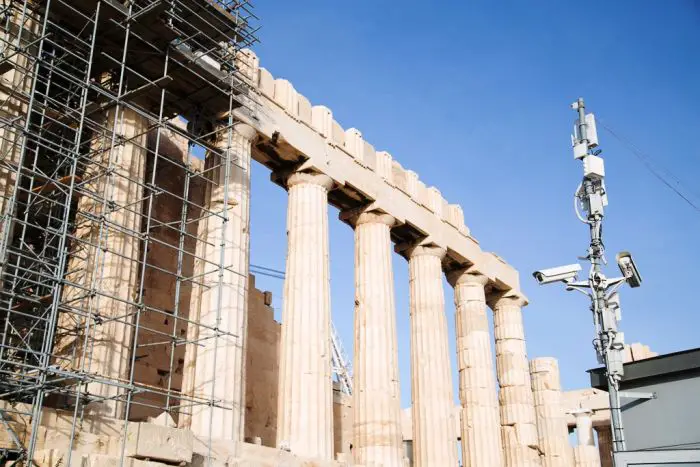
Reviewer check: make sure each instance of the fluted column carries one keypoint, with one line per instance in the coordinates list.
(585, 453)
(552, 430)
(480, 424)
(605, 445)
(434, 434)
(105, 259)
(376, 398)
(305, 408)
(214, 364)
(518, 425)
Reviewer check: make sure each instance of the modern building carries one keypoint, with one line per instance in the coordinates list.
(660, 409)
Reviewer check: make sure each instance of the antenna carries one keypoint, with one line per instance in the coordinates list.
(591, 197)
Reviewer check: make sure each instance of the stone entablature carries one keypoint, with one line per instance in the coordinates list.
(296, 135)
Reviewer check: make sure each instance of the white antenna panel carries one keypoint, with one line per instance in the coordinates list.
(591, 131)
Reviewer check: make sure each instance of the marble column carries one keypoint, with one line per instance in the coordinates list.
(553, 433)
(305, 407)
(434, 436)
(215, 361)
(376, 399)
(480, 425)
(585, 452)
(105, 257)
(518, 424)
(605, 445)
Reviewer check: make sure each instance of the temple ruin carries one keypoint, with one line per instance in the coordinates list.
(132, 331)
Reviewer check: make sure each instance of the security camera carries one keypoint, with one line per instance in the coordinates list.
(629, 269)
(560, 274)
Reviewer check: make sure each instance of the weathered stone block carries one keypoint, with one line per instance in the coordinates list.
(304, 109)
(145, 440)
(435, 201)
(266, 83)
(412, 184)
(286, 97)
(422, 194)
(322, 120)
(398, 176)
(369, 156)
(354, 145)
(248, 65)
(383, 169)
(338, 135)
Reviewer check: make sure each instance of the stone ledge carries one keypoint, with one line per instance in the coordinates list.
(148, 441)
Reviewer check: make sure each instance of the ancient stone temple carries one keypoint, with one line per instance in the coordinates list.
(132, 330)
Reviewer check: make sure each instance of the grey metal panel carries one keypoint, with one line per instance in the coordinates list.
(668, 422)
(678, 362)
(684, 458)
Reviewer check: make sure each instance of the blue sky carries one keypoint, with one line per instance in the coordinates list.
(474, 96)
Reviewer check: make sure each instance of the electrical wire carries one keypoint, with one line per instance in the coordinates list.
(646, 161)
(265, 271)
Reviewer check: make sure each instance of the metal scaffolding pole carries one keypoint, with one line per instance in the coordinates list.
(106, 109)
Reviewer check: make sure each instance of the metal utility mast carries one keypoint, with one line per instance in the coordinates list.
(591, 197)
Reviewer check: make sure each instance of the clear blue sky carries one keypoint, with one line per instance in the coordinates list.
(474, 97)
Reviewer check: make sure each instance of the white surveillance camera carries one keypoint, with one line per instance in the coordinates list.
(629, 269)
(560, 274)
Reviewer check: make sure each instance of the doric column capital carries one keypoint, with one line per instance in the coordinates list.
(244, 130)
(322, 180)
(464, 276)
(509, 298)
(425, 250)
(375, 218)
(364, 215)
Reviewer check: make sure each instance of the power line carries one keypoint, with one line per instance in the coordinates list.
(265, 271)
(646, 160)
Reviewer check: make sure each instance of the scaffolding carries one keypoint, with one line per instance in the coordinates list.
(107, 107)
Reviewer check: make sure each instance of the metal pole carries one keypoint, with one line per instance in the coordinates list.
(597, 283)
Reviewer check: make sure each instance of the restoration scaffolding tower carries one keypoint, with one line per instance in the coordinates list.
(89, 89)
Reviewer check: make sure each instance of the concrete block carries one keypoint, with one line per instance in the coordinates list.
(266, 83)
(286, 97)
(304, 109)
(322, 120)
(145, 440)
